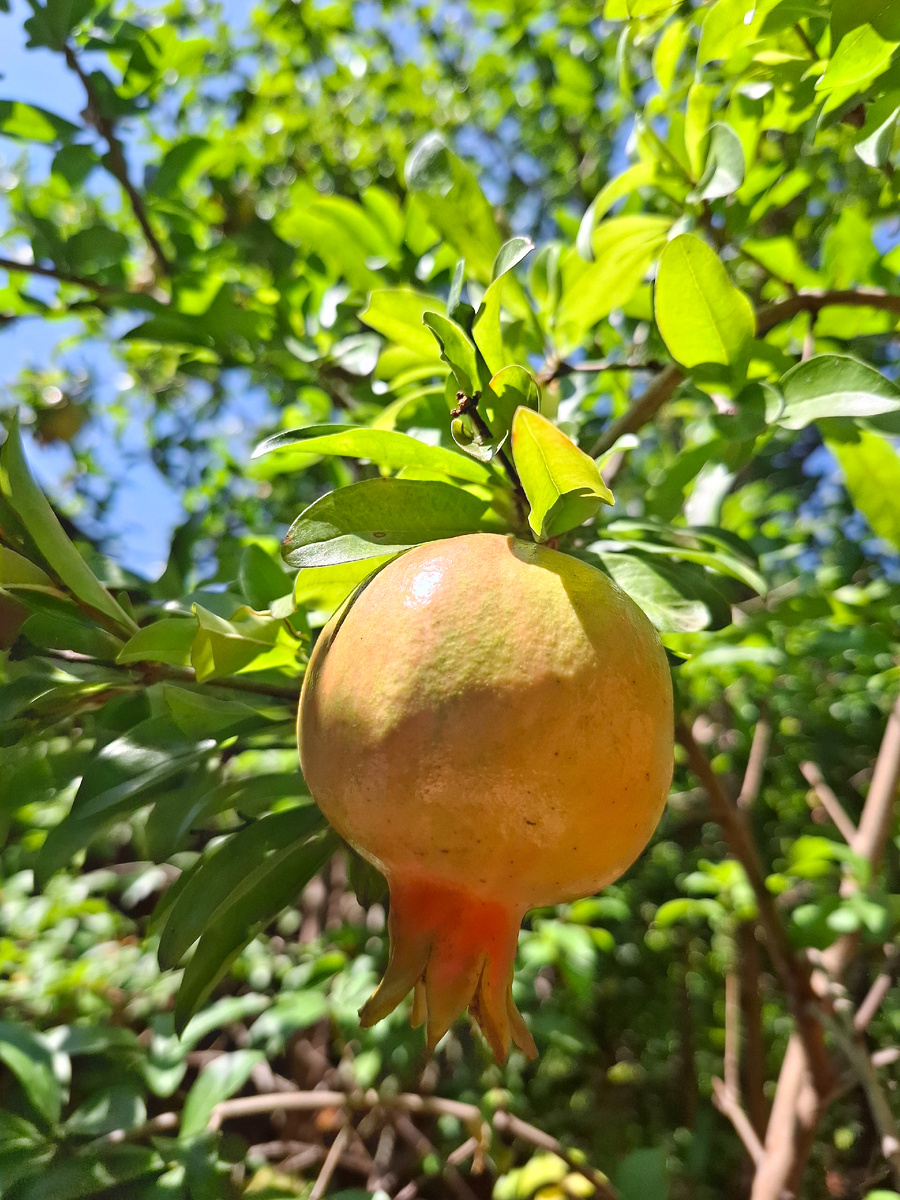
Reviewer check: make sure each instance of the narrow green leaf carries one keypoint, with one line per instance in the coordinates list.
(871, 470)
(16, 571)
(563, 484)
(456, 351)
(217, 1081)
(32, 124)
(834, 385)
(262, 893)
(213, 880)
(39, 519)
(385, 447)
(377, 517)
(702, 317)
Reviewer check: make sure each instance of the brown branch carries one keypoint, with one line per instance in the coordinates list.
(408, 1102)
(793, 974)
(829, 801)
(421, 1146)
(876, 994)
(643, 410)
(727, 1103)
(756, 763)
(329, 1166)
(754, 1058)
(732, 1056)
(118, 166)
(875, 822)
(11, 265)
(663, 386)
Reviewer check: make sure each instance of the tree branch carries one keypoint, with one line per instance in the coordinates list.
(793, 974)
(829, 801)
(727, 1103)
(756, 762)
(117, 164)
(11, 265)
(663, 386)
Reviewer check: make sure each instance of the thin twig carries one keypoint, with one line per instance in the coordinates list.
(885, 1123)
(804, 38)
(756, 762)
(11, 265)
(421, 1146)
(117, 164)
(728, 1104)
(793, 974)
(643, 410)
(329, 1166)
(876, 994)
(829, 801)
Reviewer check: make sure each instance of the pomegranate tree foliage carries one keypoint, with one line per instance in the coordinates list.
(478, 264)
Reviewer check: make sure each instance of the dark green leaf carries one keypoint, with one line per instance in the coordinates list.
(217, 1081)
(379, 516)
(27, 1055)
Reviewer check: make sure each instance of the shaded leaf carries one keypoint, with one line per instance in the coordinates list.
(834, 385)
(368, 519)
(217, 1081)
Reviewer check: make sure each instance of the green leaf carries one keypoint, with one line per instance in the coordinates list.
(30, 504)
(487, 329)
(398, 314)
(513, 387)
(728, 27)
(16, 571)
(96, 248)
(563, 484)
(32, 124)
(860, 57)
(119, 1106)
(456, 351)
(199, 715)
(27, 1055)
(834, 385)
(116, 781)
(454, 202)
(217, 1081)
(260, 895)
(221, 648)
(677, 597)
(166, 641)
(642, 174)
(702, 317)
(385, 447)
(263, 580)
(379, 516)
(874, 147)
(871, 470)
(623, 249)
(210, 884)
(725, 166)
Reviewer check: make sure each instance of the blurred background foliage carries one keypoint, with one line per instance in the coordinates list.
(240, 234)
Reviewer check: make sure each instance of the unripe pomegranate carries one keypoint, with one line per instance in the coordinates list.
(490, 723)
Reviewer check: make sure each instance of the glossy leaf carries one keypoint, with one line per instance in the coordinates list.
(487, 329)
(456, 351)
(385, 447)
(509, 389)
(725, 166)
(677, 597)
(397, 313)
(833, 385)
(166, 641)
(563, 485)
(378, 516)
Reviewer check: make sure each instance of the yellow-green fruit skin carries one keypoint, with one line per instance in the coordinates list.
(493, 713)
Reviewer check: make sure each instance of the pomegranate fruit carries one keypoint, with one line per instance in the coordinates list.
(489, 722)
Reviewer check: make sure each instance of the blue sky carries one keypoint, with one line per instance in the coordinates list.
(146, 509)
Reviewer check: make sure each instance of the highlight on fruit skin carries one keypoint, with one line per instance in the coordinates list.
(490, 723)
